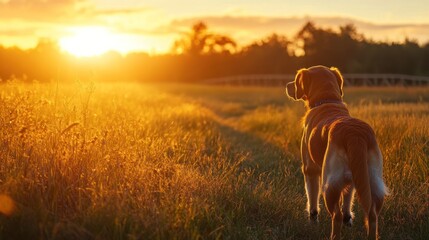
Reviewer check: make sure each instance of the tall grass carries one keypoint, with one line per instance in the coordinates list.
(128, 161)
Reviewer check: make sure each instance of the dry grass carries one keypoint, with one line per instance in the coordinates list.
(127, 161)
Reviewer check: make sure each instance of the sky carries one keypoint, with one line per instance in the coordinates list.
(94, 26)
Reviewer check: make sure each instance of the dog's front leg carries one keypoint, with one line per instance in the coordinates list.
(312, 182)
(313, 193)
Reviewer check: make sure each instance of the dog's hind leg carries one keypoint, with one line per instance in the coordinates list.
(333, 185)
(332, 201)
(346, 209)
(378, 192)
(372, 224)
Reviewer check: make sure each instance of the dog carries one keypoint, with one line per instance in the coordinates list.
(340, 154)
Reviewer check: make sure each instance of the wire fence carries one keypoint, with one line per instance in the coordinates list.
(271, 80)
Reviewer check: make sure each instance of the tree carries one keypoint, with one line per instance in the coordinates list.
(269, 55)
(44, 61)
(327, 47)
(200, 41)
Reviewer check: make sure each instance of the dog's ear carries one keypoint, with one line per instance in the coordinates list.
(301, 80)
(339, 77)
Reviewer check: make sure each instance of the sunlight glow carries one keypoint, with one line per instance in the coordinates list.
(93, 41)
(7, 205)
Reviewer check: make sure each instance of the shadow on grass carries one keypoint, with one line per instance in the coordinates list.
(269, 190)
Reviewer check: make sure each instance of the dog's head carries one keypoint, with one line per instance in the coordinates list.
(315, 84)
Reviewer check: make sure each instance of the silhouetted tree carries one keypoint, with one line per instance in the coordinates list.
(381, 57)
(425, 59)
(269, 55)
(201, 41)
(45, 60)
(325, 46)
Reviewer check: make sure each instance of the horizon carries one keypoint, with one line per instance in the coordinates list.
(94, 27)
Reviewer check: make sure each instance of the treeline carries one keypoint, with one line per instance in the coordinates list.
(202, 54)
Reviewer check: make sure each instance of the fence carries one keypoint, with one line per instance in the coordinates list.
(349, 80)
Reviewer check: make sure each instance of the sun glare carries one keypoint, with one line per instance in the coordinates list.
(91, 41)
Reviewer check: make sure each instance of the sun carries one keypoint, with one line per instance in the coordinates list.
(91, 41)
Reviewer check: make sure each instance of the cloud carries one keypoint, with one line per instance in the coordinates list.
(67, 12)
(15, 32)
(122, 11)
(42, 10)
(22, 22)
(250, 28)
(246, 29)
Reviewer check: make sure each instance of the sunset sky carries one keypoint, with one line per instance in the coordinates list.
(95, 26)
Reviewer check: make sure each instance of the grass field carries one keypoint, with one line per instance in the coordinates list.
(129, 161)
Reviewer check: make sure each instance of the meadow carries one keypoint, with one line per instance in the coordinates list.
(169, 161)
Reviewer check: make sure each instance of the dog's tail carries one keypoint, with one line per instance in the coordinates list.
(357, 153)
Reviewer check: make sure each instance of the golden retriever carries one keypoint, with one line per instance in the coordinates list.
(338, 150)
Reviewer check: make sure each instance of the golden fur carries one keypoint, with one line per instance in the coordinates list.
(338, 150)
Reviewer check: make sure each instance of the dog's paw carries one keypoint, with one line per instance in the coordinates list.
(313, 216)
(348, 220)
